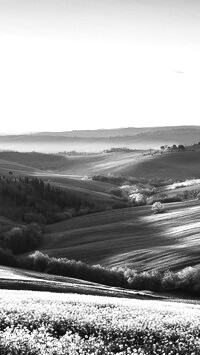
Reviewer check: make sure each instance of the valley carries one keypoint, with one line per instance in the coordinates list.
(126, 237)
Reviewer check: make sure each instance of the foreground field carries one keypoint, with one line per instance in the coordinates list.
(43, 323)
(132, 237)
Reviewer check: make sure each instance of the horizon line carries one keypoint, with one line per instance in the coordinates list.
(94, 130)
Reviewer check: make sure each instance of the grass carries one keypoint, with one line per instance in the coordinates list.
(131, 237)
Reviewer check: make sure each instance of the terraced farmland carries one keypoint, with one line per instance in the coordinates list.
(132, 237)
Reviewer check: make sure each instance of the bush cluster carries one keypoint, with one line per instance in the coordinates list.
(7, 258)
(158, 207)
(21, 239)
(186, 280)
(72, 268)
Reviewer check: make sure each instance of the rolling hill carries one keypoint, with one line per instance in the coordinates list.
(180, 165)
(131, 237)
(175, 165)
(68, 165)
(75, 173)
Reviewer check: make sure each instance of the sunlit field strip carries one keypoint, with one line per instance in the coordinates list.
(50, 323)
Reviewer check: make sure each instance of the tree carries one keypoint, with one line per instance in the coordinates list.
(181, 147)
(158, 207)
(23, 239)
(15, 240)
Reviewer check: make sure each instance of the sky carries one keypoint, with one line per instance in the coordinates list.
(91, 64)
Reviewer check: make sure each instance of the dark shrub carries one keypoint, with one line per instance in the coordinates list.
(7, 258)
(22, 239)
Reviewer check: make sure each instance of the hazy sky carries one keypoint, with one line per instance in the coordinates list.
(87, 64)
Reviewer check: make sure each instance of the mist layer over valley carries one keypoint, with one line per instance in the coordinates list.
(99, 140)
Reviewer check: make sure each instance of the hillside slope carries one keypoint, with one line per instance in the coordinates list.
(180, 165)
(176, 165)
(131, 237)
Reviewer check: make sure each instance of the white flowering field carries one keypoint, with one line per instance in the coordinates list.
(59, 324)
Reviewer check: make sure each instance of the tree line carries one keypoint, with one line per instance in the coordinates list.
(186, 280)
(34, 200)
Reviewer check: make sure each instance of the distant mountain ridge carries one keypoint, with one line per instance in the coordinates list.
(98, 140)
(115, 132)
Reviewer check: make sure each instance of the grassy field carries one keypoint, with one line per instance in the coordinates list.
(132, 237)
